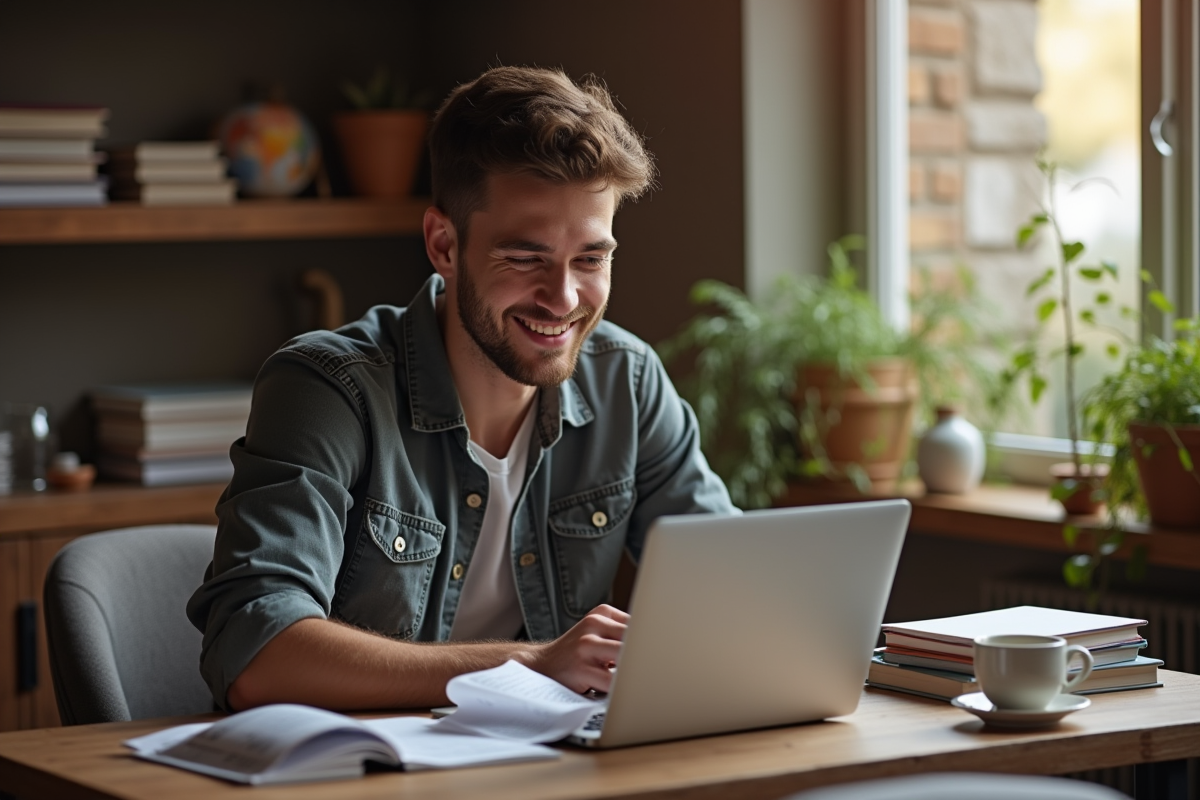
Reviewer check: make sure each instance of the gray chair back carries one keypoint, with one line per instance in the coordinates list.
(121, 646)
(964, 786)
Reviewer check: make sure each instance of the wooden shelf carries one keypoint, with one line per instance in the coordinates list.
(103, 507)
(246, 219)
(1016, 516)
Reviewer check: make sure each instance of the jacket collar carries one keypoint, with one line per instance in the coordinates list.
(432, 396)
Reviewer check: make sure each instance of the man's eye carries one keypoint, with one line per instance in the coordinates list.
(522, 262)
(596, 261)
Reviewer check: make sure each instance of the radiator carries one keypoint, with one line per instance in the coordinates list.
(1172, 634)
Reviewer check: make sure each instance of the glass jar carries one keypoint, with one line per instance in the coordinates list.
(30, 445)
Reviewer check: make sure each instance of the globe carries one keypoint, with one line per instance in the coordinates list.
(272, 149)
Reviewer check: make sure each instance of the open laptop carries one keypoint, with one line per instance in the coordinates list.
(767, 618)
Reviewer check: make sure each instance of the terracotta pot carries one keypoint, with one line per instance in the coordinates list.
(382, 149)
(874, 429)
(1087, 481)
(1172, 494)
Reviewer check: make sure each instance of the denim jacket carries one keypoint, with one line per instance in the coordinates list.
(355, 496)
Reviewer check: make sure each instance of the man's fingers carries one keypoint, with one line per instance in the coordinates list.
(597, 650)
(602, 627)
(599, 679)
(610, 612)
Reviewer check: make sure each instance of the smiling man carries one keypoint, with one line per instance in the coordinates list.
(439, 488)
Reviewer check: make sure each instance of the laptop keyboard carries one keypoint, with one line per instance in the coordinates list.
(595, 723)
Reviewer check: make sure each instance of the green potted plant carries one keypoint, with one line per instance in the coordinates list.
(813, 381)
(1078, 482)
(1150, 411)
(383, 137)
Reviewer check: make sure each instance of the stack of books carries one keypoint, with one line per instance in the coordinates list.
(48, 156)
(162, 435)
(933, 658)
(170, 174)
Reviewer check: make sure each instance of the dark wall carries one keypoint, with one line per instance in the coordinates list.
(675, 66)
(75, 316)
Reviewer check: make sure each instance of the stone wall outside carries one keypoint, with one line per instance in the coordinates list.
(973, 136)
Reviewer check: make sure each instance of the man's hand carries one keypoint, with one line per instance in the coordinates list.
(582, 658)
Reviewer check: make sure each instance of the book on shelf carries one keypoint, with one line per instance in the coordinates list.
(54, 195)
(940, 684)
(60, 150)
(73, 122)
(47, 171)
(1104, 654)
(165, 152)
(167, 469)
(164, 435)
(218, 193)
(956, 635)
(210, 171)
(175, 401)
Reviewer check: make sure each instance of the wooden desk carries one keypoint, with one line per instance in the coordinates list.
(890, 734)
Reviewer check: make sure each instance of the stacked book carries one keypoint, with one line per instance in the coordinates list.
(933, 657)
(161, 435)
(48, 156)
(170, 174)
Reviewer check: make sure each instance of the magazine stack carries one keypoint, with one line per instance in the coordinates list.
(48, 156)
(163, 435)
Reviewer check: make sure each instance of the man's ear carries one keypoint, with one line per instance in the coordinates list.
(441, 242)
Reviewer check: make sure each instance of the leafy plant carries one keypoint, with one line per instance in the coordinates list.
(1158, 383)
(1051, 290)
(746, 356)
(383, 91)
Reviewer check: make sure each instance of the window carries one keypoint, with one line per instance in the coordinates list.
(993, 82)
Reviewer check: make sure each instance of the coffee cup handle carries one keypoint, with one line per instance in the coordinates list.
(1088, 663)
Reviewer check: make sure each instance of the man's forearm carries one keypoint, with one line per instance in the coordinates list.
(324, 663)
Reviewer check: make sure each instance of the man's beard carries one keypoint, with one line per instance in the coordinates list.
(550, 367)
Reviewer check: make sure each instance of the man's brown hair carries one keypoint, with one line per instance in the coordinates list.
(536, 121)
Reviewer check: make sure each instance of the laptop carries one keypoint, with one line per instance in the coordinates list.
(750, 621)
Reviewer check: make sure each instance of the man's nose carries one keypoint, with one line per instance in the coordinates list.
(558, 292)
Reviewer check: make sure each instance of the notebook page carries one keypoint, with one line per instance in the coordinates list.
(514, 702)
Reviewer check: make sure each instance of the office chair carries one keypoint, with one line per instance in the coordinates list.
(121, 646)
(961, 785)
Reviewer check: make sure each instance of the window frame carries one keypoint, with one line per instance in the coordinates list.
(1170, 245)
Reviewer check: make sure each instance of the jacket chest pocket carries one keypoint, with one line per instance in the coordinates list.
(388, 586)
(589, 534)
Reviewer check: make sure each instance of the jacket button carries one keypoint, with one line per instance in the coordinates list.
(474, 500)
(399, 544)
(528, 560)
(457, 572)
(599, 519)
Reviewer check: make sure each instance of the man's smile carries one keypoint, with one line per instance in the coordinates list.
(553, 331)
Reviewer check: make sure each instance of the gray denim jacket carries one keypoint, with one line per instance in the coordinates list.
(355, 496)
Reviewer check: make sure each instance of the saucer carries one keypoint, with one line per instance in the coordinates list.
(1059, 707)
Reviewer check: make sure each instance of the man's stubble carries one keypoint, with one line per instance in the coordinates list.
(552, 368)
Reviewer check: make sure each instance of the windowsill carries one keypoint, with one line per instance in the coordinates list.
(1014, 515)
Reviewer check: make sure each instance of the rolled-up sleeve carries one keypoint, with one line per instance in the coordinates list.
(673, 476)
(281, 521)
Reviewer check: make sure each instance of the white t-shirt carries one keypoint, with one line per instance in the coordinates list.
(489, 607)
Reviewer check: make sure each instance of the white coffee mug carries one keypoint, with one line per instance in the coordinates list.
(1024, 672)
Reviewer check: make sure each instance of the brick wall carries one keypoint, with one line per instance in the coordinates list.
(973, 136)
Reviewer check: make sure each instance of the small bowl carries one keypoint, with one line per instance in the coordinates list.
(76, 480)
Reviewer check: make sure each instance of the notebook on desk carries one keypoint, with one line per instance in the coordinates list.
(738, 622)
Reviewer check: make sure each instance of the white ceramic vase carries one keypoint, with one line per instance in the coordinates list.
(951, 454)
